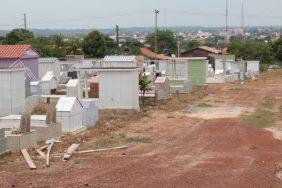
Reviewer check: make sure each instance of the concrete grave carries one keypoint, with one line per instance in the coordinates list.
(16, 142)
(162, 88)
(43, 131)
(90, 112)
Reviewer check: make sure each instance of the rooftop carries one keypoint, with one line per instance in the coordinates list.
(153, 55)
(120, 59)
(13, 51)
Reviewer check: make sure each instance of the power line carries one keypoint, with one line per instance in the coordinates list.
(91, 18)
(221, 14)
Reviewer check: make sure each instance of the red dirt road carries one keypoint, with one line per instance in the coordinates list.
(181, 152)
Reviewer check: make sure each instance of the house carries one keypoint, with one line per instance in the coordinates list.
(69, 114)
(152, 55)
(48, 64)
(12, 91)
(202, 51)
(20, 56)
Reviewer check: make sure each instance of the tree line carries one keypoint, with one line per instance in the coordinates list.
(96, 45)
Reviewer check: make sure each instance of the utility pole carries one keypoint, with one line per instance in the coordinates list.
(24, 19)
(156, 31)
(242, 16)
(117, 35)
(178, 48)
(225, 40)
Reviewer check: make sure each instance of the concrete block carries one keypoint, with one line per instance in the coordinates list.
(16, 142)
(3, 148)
(47, 132)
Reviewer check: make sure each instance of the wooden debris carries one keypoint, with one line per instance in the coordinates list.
(43, 148)
(70, 151)
(48, 153)
(28, 159)
(52, 140)
(103, 149)
(41, 153)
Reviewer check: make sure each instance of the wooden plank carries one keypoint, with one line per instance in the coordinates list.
(70, 151)
(48, 154)
(28, 159)
(103, 149)
(41, 153)
(43, 148)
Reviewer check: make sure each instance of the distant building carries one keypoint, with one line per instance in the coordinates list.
(152, 55)
(20, 56)
(203, 51)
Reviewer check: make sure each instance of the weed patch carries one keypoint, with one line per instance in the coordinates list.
(266, 102)
(204, 105)
(261, 118)
(138, 139)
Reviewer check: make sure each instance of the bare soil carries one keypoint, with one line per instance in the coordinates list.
(170, 149)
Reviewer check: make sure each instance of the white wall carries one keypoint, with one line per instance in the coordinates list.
(118, 89)
(12, 95)
(47, 86)
(43, 68)
(71, 120)
(253, 67)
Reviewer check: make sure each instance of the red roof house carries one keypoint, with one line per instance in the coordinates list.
(12, 56)
(152, 55)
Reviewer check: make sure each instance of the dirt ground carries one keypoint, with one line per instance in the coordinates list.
(172, 147)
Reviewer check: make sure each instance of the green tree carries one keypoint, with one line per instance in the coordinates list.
(18, 36)
(190, 45)
(133, 45)
(58, 40)
(277, 49)
(165, 40)
(73, 46)
(144, 86)
(252, 50)
(111, 46)
(95, 44)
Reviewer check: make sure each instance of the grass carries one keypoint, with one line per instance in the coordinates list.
(261, 118)
(204, 105)
(139, 139)
(267, 102)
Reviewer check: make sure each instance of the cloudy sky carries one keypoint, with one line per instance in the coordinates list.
(74, 14)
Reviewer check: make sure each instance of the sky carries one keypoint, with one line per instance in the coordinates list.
(87, 14)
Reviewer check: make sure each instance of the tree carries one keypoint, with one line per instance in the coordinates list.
(18, 36)
(111, 46)
(252, 50)
(144, 86)
(73, 46)
(277, 49)
(133, 45)
(95, 44)
(190, 45)
(165, 40)
(58, 40)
